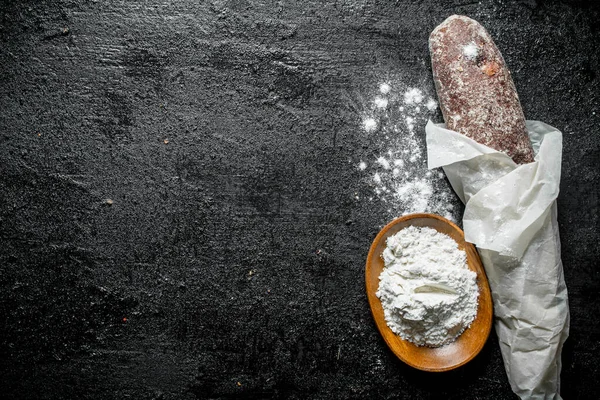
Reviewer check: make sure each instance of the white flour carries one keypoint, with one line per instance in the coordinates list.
(398, 175)
(385, 88)
(471, 51)
(370, 124)
(412, 96)
(428, 294)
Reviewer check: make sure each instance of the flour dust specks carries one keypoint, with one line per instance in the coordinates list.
(385, 88)
(370, 124)
(398, 175)
(381, 102)
(471, 51)
(383, 162)
(413, 96)
(431, 105)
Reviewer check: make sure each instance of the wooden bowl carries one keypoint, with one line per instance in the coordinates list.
(471, 341)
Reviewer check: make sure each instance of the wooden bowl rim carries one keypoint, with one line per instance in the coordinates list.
(474, 264)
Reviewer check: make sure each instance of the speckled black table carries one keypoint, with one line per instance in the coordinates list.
(181, 215)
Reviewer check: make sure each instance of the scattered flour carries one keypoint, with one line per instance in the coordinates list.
(431, 104)
(377, 178)
(429, 295)
(399, 175)
(383, 162)
(471, 51)
(415, 194)
(413, 96)
(370, 124)
(381, 102)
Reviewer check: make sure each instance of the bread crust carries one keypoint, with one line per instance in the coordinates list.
(475, 89)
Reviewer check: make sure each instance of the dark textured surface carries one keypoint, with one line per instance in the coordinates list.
(228, 261)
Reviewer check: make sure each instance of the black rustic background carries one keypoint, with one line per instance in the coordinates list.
(181, 214)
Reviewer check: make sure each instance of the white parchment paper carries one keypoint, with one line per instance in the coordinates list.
(510, 215)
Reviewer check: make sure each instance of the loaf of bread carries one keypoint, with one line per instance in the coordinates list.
(476, 92)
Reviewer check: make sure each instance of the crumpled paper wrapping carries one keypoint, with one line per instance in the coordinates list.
(510, 215)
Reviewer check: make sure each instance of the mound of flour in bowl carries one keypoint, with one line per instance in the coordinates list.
(429, 295)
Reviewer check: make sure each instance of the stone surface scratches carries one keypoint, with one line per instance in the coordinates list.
(178, 217)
